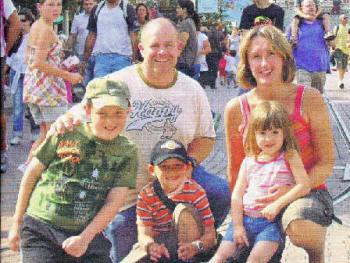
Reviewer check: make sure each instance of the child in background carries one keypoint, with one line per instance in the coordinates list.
(325, 17)
(231, 68)
(178, 231)
(76, 183)
(272, 159)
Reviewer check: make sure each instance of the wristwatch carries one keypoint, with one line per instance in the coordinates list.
(199, 245)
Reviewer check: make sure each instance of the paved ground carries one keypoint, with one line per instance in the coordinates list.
(338, 237)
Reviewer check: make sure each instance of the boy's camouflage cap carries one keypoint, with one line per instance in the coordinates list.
(108, 92)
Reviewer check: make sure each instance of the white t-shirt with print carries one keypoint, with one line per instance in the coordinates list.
(79, 25)
(112, 32)
(181, 112)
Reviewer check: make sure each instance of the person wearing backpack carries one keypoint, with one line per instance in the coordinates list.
(311, 54)
(112, 37)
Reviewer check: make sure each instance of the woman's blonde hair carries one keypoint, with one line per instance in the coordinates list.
(265, 116)
(279, 44)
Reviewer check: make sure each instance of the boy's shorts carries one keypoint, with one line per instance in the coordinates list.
(341, 59)
(317, 207)
(46, 114)
(42, 243)
(258, 229)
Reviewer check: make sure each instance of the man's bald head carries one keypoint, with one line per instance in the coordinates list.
(158, 24)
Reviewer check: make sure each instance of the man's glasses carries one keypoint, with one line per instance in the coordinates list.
(23, 20)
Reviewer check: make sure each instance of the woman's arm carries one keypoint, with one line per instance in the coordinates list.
(301, 188)
(321, 136)
(206, 48)
(42, 48)
(76, 246)
(29, 180)
(234, 146)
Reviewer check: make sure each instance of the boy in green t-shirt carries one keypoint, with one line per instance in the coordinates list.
(76, 183)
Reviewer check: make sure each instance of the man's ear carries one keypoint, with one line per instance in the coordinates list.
(88, 111)
(151, 168)
(180, 46)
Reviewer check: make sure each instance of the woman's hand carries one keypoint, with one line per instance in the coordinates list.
(75, 246)
(156, 251)
(14, 237)
(75, 78)
(271, 211)
(187, 251)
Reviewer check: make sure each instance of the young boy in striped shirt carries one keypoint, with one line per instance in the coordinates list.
(165, 235)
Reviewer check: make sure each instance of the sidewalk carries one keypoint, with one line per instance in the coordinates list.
(338, 237)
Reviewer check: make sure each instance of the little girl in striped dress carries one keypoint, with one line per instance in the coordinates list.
(272, 158)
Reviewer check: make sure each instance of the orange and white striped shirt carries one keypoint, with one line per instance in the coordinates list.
(152, 212)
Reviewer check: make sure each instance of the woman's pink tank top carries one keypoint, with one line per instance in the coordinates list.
(301, 129)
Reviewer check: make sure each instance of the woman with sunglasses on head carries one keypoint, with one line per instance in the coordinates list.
(44, 87)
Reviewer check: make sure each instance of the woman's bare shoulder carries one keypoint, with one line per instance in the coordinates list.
(39, 32)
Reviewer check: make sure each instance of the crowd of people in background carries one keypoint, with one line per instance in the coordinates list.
(144, 80)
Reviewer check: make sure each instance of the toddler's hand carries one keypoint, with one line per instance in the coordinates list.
(240, 237)
(75, 246)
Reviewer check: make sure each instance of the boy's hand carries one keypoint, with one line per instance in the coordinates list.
(14, 237)
(156, 251)
(186, 251)
(240, 237)
(271, 211)
(66, 121)
(75, 246)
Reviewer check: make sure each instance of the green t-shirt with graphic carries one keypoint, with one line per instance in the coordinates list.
(80, 171)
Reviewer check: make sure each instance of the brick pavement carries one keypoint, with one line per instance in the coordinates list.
(338, 237)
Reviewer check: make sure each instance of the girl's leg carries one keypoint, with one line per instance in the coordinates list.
(44, 127)
(262, 251)
(226, 250)
(310, 236)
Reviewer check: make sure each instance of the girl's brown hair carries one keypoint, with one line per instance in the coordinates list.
(278, 42)
(265, 116)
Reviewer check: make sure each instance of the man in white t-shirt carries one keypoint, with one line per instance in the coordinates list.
(112, 37)
(78, 34)
(165, 104)
(8, 12)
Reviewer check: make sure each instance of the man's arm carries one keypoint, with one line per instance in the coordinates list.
(200, 148)
(72, 38)
(134, 43)
(13, 30)
(89, 45)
